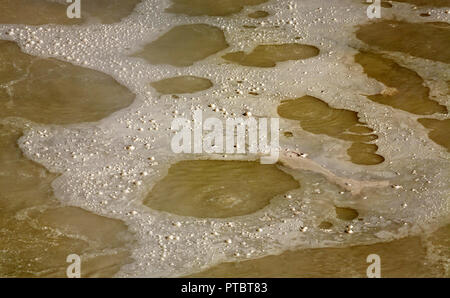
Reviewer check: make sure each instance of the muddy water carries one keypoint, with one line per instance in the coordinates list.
(183, 45)
(34, 12)
(269, 55)
(346, 213)
(51, 91)
(384, 4)
(210, 7)
(378, 201)
(405, 88)
(439, 131)
(182, 84)
(318, 117)
(401, 258)
(39, 12)
(37, 232)
(424, 40)
(432, 3)
(218, 188)
(258, 14)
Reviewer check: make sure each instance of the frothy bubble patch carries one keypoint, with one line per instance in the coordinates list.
(183, 45)
(216, 189)
(269, 55)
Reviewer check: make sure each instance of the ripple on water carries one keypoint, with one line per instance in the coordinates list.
(317, 117)
(269, 55)
(424, 40)
(183, 45)
(210, 7)
(406, 90)
(212, 188)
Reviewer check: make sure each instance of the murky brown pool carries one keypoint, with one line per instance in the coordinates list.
(323, 212)
(51, 91)
(405, 88)
(182, 84)
(211, 188)
(269, 55)
(37, 232)
(39, 12)
(424, 40)
(439, 130)
(318, 117)
(432, 3)
(402, 258)
(259, 14)
(184, 45)
(210, 7)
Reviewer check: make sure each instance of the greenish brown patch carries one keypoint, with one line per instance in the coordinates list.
(346, 213)
(406, 257)
(182, 84)
(183, 45)
(439, 131)
(51, 91)
(406, 89)
(39, 12)
(364, 154)
(317, 117)
(269, 55)
(432, 3)
(259, 14)
(37, 245)
(384, 4)
(210, 7)
(325, 225)
(424, 40)
(211, 188)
